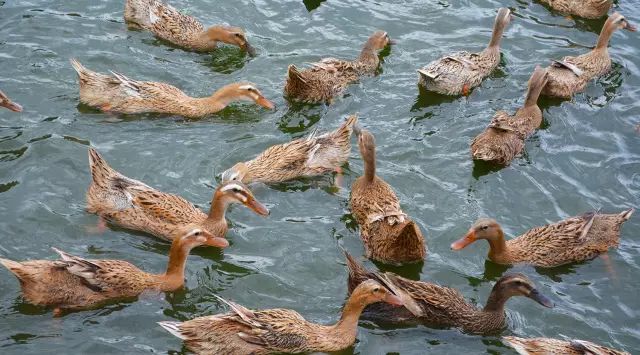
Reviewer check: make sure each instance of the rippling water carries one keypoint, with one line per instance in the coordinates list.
(586, 156)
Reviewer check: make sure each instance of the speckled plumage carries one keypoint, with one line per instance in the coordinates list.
(582, 8)
(387, 233)
(504, 138)
(330, 77)
(571, 240)
(441, 306)
(244, 332)
(310, 156)
(572, 74)
(118, 94)
(459, 72)
(134, 205)
(549, 346)
(74, 283)
(185, 31)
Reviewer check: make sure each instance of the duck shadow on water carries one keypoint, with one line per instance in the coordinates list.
(312, 4)
(300, 117)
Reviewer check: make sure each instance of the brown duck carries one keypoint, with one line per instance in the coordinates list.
(441, 306)
(119, 94)
(6, 102)
(248, 332)
(504, 138)
(134, 205)
(310, 156)
(582, 8)
(544, 346)
(571, 74)
(571, 240)
(185, 31)
(75, 283)
(330, 77)
(387, 233)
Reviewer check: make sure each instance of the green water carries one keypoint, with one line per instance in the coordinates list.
(586, 156)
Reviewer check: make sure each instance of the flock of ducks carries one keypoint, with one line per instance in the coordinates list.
(74, 283)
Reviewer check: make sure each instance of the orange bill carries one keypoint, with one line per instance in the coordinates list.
(257, 207)
(217, 242)
(393, 299)
(262, 101)
(469, 238)
(12, 106)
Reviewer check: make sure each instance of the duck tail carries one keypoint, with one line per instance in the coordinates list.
(173, 328)
(295, 76)
(11, 265)
(357, 272)
(411, 241)
(347, 127)
(625, 215)
(101, 172)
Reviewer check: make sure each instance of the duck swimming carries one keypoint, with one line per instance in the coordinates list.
(185, 31)
(571, 240)
(583, 8)
(329, 77)
(543, 346)
(117, 93)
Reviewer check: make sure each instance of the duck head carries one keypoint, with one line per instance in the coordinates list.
(242, 92)
(230, 35)
(619, 22)
(378, 41)
(191, 237)
(512, 285)
(484, 228)
(238, 172)
(237, 192)
(372, 291)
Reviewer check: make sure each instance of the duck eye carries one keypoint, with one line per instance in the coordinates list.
(197, 234)
(239, 35)
(377, 289)
(484, 228)
(235, 189)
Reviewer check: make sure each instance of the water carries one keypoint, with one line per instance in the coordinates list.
(586, 156)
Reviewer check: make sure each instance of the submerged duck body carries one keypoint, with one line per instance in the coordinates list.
(544, 346)
(571, 240)
(504, 138)
(310, 156)
(387, 233)
(583, 8)
(248, 332)
(75, 283)
(119, 94)
(185, 31)
(458, 73)
(330, 77)
(134, 205)
(440, 306)
(572, 74)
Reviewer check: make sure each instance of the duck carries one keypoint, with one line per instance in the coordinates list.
(117, 93)
(440, 306)
(387, 233)
(457, 73)
(590, 9)
(504, 138)
(244, 331)
(134, 205)
(571, 74)
(571, 240)
(541, 346)
(329, 77)
(310, 156)
(182, 30)
(74, 283)
(6, 102)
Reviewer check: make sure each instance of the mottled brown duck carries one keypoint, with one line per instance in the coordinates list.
(182, 30)
(75, 283)
(571, 240)
(329, 77)
(117, 93)
(387, 233)
(504, 138)
(310, 156)
(134, 205)
(245, 332)
(439, 306)
(458, 73)
(571, 74)
(583, 8)
(6, 102)
(548, 346)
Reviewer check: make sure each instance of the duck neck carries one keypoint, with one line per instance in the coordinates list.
(218, 209)
(343, 333)
(605, 36)
(498, 248)
(532, 95)
(496, 302)
(496, 36)
(173, 278)
(369, 165)
(369, 57)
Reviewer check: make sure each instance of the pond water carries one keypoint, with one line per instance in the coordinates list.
(586, 156)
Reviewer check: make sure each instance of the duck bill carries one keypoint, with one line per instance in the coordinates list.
(393, 299)
(262, 101)
(12, 106)
(540, 298)
(257, 207)
(629, 27)
(217, 242)
(249, 49)
(469, 238)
